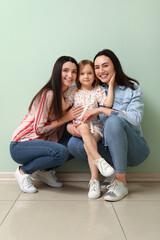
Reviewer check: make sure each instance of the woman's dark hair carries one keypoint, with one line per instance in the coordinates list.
(55, 84)
(121, 78)
(81, 65)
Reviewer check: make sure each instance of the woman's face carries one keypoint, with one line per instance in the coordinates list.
(68, 75)
(104, 68)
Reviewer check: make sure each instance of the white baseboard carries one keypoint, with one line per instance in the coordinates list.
(83, 177)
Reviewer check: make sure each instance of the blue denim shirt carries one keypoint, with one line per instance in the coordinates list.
(130, 103)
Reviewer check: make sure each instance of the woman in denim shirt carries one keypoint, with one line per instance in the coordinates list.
(123, 141)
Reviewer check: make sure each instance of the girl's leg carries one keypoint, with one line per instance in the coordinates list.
(38, 155)
(93, 167)
(90, 142)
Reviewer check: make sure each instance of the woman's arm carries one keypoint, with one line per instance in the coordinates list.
(96, 111)
(41, 123)
(73, 113)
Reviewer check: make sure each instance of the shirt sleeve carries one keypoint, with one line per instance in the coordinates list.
(41, 123)
(69, 95)
(135, 109)
(100, 95)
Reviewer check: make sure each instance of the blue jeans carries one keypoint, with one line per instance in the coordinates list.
(125, 147)
(39, 154)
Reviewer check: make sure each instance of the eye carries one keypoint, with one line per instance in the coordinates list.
(106, 65)
(65, 70)
(82, 73)
(96, 67)
(75, 72)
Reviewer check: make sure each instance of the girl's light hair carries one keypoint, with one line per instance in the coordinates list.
(81, 65)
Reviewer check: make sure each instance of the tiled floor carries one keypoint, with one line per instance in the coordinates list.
(67, 214)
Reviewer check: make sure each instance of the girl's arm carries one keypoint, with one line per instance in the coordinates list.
(110, 97)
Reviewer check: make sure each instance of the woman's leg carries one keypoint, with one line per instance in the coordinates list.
(125, 146)
(38, 155)
(126, 149)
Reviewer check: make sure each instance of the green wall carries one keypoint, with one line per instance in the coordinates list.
(33, 34)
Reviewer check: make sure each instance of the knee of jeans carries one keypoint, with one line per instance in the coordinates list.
(75, 145)
(113, 124)
(61, 155)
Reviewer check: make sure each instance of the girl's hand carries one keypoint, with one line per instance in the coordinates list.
(74, 112)
(112, 80)
(90, 114)
(72, 129)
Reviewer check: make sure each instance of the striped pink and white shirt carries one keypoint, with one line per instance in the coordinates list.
(36, 125)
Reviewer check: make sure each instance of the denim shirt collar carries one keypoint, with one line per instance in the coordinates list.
(118, 86)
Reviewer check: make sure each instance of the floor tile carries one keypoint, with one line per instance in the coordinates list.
(5, 207)
(139, 219)
(69, 220)
(143, 191)
(9, 191)
(70, 191)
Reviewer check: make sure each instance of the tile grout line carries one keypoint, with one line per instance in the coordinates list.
(10, 209)
(119, 221)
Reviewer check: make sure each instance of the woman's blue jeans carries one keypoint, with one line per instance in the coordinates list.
(125, 147)
(39, 154)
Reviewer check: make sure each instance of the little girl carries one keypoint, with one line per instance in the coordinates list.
(89, 94)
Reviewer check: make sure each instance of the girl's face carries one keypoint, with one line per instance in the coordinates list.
(104, 68)
(86, 77)
(68, 75)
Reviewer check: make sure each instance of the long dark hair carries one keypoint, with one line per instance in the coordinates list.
(121, 78)
(55, 84)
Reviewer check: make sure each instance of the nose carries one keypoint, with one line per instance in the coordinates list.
(101, 70)
(70, 74)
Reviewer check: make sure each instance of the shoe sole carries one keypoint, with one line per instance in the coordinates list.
(115, 200)
(40, 179)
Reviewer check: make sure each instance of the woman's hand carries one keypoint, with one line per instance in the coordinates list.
(90, 114)
(72, 129)
(73, 113)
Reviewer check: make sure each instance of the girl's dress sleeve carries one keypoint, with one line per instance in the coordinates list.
(69, 95)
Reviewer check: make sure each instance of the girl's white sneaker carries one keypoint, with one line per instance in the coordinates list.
(94, 189)
(105, 169)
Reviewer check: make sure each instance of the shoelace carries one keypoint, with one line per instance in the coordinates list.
(53, 175)
(102, 164)
(27, 181)
(113, 185)
(92, 185)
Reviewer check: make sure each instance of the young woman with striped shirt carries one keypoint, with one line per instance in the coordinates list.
(37, 144)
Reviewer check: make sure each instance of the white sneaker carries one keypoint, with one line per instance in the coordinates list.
(25, 182)
(117, 191)
(48, 177)
(105, 169)
(94, 189)
(107, 181)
